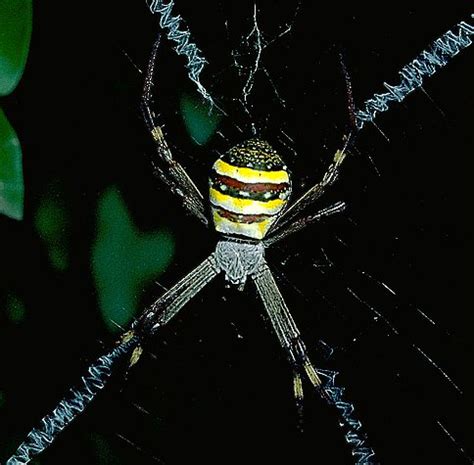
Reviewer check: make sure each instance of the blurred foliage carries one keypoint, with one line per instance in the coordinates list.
(103, 450)
(16, 19)
(11, 172)
(201, 121)
(52, 223)
(15, 309)
(124, 259)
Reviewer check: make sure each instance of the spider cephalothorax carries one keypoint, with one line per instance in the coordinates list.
(249, 187)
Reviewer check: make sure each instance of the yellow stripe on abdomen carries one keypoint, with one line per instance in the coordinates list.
(245, 206)
(250, 175)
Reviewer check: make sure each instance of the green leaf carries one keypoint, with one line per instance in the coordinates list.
(201, 122)
(15, 307)
(124, 259)
(16, 18)
(11, 172)
(53, 225)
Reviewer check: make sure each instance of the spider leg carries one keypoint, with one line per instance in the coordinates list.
(129, 346)
(349, 96)
(166, 167)
(299, 396)
(168, 305)
(286, 331)
(425, 64)
(332, 172)
(302, 223)
(290, 340)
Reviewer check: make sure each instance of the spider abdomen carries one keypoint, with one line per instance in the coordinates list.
(249, 187)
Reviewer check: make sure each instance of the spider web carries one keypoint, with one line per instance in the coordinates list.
(378, 294)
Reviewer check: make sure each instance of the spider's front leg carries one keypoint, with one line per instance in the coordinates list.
(315, 192)
(284, 226)
(425, 64)
(168, 169)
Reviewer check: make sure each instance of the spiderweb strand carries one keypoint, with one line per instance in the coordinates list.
(425, 64)
(178, 33)
(71, 406)
(354, 435)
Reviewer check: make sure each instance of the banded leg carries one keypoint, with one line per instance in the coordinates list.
(166, 167)
(427, 63)
(332, 172)
(167, 306)
(129, 345)
(303, 222)
(287, 332)
(291, 341)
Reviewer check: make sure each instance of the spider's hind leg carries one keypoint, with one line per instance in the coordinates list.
(322, 381)
(299, 396)
(288, 334)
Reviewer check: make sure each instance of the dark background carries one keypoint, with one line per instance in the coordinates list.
(215, 383)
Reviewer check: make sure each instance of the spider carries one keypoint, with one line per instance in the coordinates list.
(250, 208)
(249, 191)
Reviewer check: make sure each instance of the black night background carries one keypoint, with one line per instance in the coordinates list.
(214, 386)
